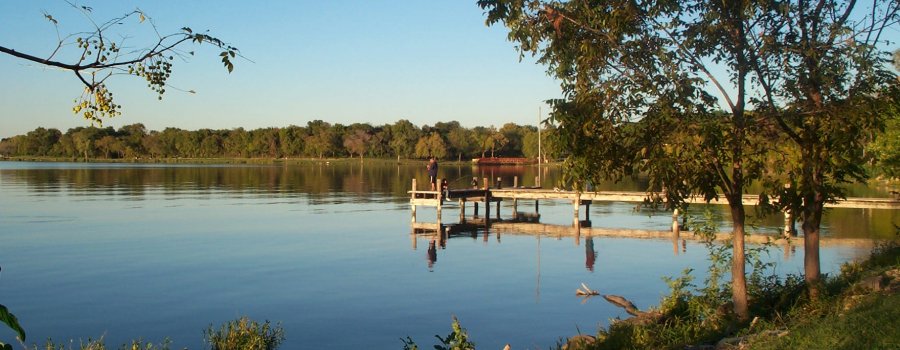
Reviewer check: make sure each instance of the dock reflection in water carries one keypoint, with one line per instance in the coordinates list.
(524, 223)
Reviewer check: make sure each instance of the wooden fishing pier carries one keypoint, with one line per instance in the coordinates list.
(487, 195)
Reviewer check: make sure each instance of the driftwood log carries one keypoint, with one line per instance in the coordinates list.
(623, 303)
(640, 317)
(630, 308)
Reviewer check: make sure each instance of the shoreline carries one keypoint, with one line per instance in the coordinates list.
(260, 161)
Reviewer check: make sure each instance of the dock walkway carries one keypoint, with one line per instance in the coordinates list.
(487, 195)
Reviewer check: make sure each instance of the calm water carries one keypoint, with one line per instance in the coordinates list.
(129, 251)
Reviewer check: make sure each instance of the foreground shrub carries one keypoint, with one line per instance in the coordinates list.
(239, 334)
(99, 345)
(699, 314)
(244, 334)
(458, 339)
(849, 313)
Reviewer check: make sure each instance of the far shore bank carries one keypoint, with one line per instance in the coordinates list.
(260, 161)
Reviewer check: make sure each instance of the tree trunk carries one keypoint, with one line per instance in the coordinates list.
(813, 207)
(738, 263)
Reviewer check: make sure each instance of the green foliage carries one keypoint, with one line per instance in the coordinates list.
(405, 135)
(840, 318)
(317, 139)
(458, 339)
(95, 56)
(635, 78)
(692, 314)
(409, 344)
(244, 334)
(886, 146)
(431, 146)
(12, 323)
(240, 334)
(322, 139)
(804, 81)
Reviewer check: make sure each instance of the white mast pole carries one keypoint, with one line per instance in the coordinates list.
(540, 158)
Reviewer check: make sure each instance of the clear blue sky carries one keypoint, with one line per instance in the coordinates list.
(339, 61)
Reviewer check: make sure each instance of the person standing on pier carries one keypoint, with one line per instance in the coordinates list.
(432, 172)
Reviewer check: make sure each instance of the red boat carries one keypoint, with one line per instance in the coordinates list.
(503, 161)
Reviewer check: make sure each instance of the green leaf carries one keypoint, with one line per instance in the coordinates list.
(12, 322)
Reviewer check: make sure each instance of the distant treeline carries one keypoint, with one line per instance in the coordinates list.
(317, 139)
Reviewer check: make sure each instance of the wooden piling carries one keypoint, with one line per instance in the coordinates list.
(789, 229)
(462, 209)
(577, 233)
(515, 201)
(487, 206)
(587, 211)
(440, 200)
(576, 204)
(413, 196)
(788, 219)
(487, 200)
(676, 230)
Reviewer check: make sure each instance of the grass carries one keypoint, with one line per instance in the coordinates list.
(239, 334)
(849, 316)
(100, 345)
(874, 323)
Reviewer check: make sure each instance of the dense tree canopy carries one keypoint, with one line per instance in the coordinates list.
(317, 139)
(642, 94)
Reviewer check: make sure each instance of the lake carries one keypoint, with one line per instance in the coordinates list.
(127, 251)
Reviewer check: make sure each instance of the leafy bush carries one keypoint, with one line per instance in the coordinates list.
(10, 320)
(693, 314)
(458, 339)
(245, 334)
